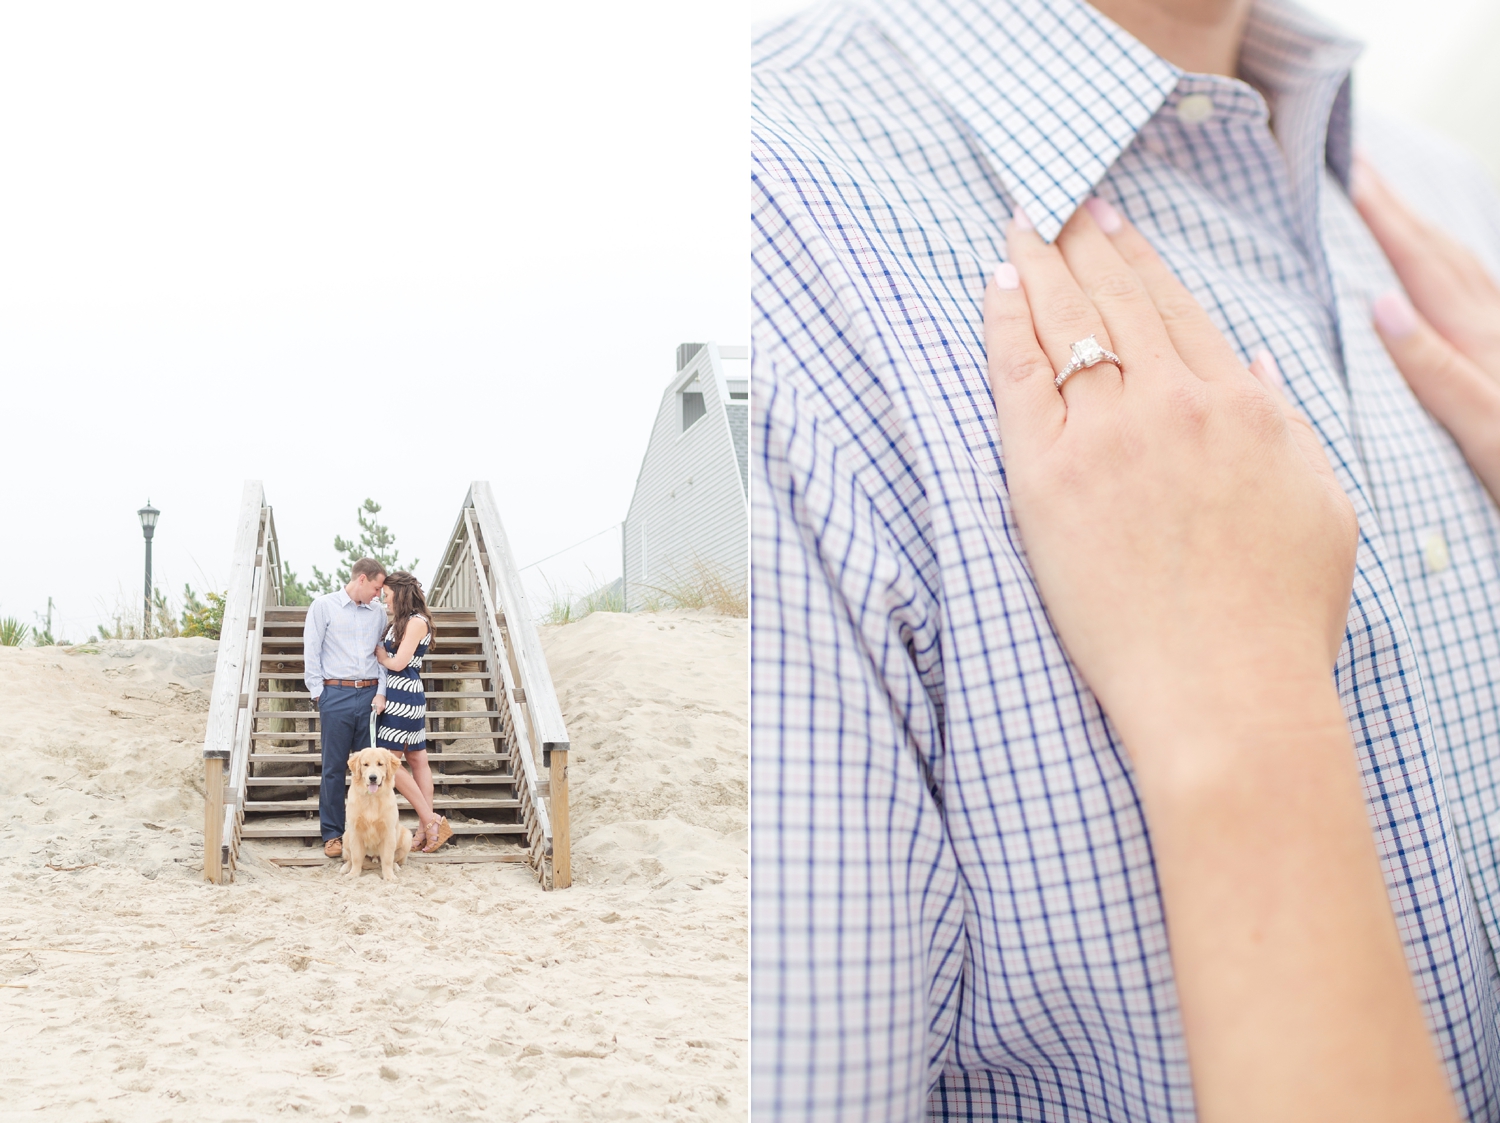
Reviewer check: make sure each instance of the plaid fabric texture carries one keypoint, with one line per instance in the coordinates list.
(338, 641)
(955, 911)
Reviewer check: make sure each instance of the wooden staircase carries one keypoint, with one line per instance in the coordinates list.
(474, 781)
(489, 699)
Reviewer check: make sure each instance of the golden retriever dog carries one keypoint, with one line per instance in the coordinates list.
(371, 826)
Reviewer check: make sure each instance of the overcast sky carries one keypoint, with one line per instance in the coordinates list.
(349, 250)
(365, 249)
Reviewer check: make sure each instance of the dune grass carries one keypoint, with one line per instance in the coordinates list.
(704, 586)
(564, 607)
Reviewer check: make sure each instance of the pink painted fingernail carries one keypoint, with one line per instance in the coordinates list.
(1394, 315)
(1006, 276)
(1018, 216)
(1264, 365)
(1105, 215)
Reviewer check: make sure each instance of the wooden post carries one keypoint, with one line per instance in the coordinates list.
(213, 814)
(562, 845)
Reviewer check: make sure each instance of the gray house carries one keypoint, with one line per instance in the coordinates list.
(689, 517)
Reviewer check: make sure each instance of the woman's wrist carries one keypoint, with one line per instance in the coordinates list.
(1226, 725)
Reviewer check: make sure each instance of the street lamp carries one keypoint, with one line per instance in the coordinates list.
(148, 515)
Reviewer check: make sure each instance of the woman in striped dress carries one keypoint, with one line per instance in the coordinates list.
(402, 726)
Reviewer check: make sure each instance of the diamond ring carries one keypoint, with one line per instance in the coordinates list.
(1087, 353)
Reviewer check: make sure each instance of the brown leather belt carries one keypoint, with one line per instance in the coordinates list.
(358, 684)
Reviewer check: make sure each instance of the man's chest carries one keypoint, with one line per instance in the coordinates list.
(1039, 802)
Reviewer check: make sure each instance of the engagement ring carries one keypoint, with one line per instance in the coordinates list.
(1087, 353)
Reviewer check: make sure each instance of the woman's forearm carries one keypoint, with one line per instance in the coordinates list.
(1296, 998)
(1196, 552)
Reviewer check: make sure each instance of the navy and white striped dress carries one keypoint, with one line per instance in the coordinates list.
(403, 724)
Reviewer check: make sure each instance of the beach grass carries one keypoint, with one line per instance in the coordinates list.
(703, 586)
(566, 607)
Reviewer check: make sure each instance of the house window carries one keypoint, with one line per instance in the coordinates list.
(692, 409)
(739, 390)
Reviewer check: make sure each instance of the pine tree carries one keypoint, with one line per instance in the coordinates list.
(294, 591)
(375, 541)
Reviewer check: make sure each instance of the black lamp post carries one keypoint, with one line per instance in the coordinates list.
(148, 515)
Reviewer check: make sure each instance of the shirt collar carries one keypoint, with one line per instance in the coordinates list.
(1056, 91)
(343, 598)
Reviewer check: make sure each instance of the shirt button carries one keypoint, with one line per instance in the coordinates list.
(1195, 108)
(1435, 551)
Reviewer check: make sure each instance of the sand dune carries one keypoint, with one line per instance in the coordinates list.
(132, 990)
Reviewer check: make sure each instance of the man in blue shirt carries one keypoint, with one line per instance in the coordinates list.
(346, 682)
(955, 908)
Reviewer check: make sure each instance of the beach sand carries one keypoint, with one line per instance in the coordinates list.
(132, 990)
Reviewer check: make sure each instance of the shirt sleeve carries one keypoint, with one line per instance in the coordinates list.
(857, 940)
(312, 648)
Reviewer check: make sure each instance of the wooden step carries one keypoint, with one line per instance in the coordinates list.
(441, 802)
(317, 758)
(306, 828)
(432, 715)
(298, 612)
(432, 735)
(427, 676)
(500, 779)
(452, 657)
(447, 857)
(304, 696)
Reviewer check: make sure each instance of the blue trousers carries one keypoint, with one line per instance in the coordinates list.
(345, 714)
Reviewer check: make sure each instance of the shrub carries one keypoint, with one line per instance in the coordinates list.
(41, 631)
(165, 623)
(12, 632)
(199, 619)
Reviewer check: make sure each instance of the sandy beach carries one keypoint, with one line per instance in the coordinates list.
(132, 990)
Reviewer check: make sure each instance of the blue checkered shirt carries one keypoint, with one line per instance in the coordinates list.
(339, 639)
(955, 909)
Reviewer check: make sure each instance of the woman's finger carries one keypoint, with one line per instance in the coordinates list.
(1027, 405)
(1194, 336)
(1463, 398)
(1061, 314)
(1447, 284)
(1116, 292)
(1268, 374)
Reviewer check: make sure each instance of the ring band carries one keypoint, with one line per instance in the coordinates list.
(1087, 353)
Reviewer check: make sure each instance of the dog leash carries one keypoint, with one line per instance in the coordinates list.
(372, 725)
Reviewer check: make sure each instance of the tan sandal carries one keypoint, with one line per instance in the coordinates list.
(430, 839)
(445, 832)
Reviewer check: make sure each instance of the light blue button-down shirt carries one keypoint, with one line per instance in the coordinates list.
(955, 906)
(339, 638)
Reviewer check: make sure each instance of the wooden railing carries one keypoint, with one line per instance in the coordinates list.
(254, 582)
(478, 572)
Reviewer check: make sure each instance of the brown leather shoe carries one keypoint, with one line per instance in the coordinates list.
(334, 848)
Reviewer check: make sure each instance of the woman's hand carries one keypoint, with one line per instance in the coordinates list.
(382, 658)
(1446, 338)
(1196, 554)
(1186, 531)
